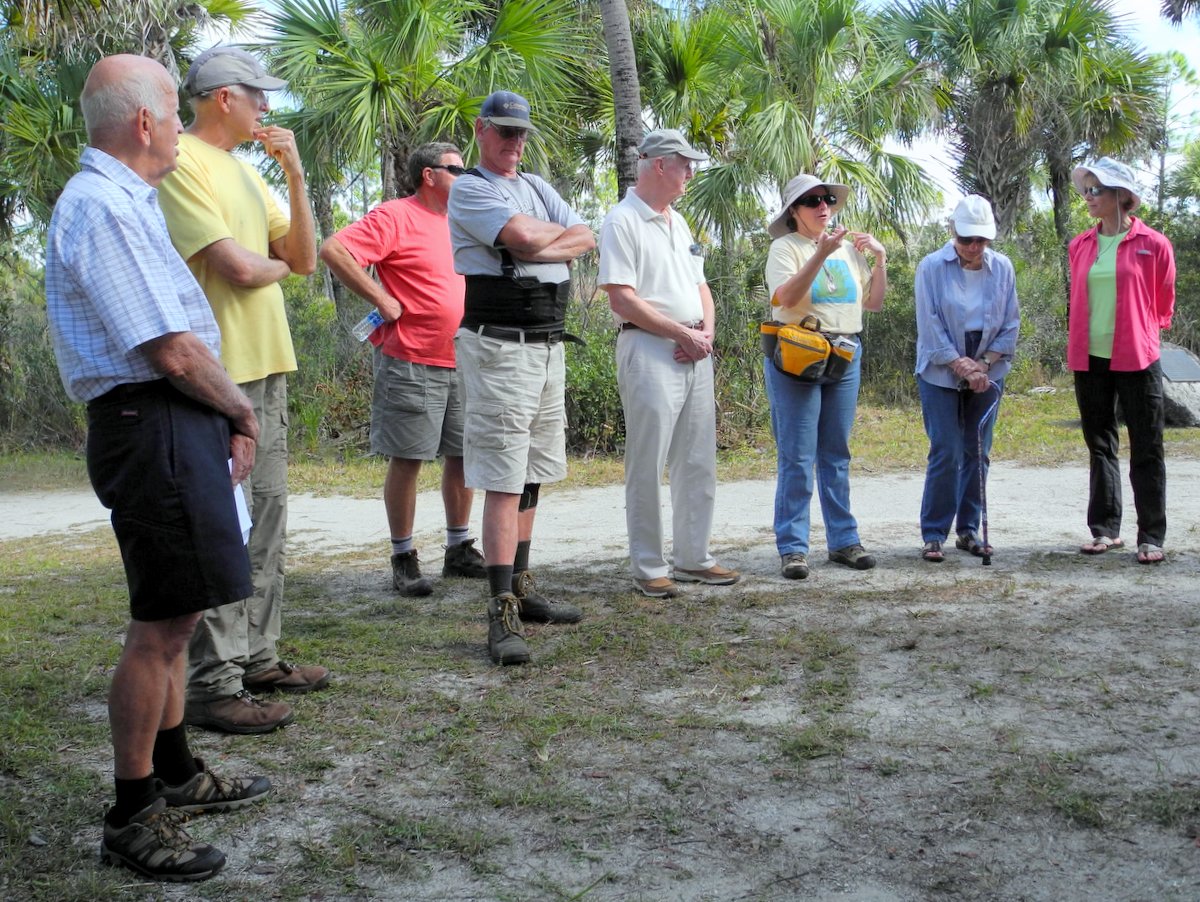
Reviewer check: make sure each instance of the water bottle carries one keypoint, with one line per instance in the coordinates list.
(365, 326)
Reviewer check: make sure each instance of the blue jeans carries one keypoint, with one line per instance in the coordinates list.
(953, 493)
(812, 428)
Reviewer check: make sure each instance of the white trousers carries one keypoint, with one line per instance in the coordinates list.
(670, 423)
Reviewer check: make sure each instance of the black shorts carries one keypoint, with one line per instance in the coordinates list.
(160, 462)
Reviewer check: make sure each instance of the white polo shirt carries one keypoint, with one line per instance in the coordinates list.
(652, 253)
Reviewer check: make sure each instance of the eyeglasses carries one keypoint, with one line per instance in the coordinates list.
(452, 169)
(968, 240)
(812, 201)
(1095, 191)
(509, 132)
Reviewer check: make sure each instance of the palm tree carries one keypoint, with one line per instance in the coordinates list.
(626, 91)
(1044, 82)
(378, 78)
(46, 49)
(776, 87)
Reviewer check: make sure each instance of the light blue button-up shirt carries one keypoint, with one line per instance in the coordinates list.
(114, 280)
(942, 314)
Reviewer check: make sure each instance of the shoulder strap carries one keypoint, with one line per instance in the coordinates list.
(507, 267)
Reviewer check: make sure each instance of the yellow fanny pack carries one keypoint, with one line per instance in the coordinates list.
(802, 351)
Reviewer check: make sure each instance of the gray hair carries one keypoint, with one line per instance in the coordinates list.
(644, 165)
(117, 101)
(425, 156)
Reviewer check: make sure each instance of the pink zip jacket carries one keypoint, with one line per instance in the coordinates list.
(1145, 296)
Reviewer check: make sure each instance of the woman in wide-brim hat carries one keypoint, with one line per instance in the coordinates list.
(967, 325)
(817, 268)
(1122, 296)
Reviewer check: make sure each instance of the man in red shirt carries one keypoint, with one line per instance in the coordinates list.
(416, 410)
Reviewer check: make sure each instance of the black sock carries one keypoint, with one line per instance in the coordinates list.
(521, 561)
(132, 797)
(173, 761)
(499, 579)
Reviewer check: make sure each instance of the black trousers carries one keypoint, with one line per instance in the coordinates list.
(1141, 395)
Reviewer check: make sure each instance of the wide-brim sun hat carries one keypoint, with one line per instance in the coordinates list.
(973, 218)
(1110, 173)
(793, 190)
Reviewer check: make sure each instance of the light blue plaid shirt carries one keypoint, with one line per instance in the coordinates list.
(114, 280)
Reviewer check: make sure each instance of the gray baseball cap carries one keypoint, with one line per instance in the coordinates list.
(664, 142)
(220, 66)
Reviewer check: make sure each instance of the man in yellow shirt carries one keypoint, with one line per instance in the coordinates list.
(239, 245)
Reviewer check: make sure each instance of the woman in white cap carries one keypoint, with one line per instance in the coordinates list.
(1122, 296)
(816, 268)
(967, 324)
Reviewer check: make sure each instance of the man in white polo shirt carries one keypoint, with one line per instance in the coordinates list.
(654, 275)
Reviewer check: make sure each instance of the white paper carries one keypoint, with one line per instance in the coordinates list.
(243, 512)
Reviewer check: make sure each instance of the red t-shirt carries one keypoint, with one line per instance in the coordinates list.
(409, 245)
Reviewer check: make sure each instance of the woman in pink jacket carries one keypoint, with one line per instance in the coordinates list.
(1122, 296)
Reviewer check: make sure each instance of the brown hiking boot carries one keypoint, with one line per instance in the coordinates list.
(406, 575)
(239, 713)
(506, 635)
(287, 677)
(154, 843)
(464, 561)
(537, 608)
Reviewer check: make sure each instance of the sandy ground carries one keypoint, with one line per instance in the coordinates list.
(994, 711)
(1030, 509)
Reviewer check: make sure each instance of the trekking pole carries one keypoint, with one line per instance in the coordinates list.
(988, 414)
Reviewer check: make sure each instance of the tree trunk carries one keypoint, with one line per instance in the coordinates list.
(627, 94)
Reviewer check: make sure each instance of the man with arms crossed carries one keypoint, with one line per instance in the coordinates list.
(513, 238)
(239, 245)
(135, 339)
(416, 410)
(654, 276)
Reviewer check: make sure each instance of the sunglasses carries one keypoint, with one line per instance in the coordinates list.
(812, 201)
(967, 241)
(1095, 191)
(509, 132)
(452, 169)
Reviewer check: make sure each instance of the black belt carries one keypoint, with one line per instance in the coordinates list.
(526, 336)
(128, 391)
(624, 326)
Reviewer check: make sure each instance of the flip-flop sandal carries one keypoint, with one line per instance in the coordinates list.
(1101, 544)
(1145, 548)
(932, 552)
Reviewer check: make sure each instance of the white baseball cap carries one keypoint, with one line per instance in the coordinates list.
(973, 218)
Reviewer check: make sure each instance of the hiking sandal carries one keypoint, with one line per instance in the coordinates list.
(971, 543)
(932, 552)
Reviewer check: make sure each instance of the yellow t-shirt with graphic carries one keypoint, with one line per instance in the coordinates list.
(837, 291)
(213, 195)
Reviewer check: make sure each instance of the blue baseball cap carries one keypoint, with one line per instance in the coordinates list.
(506, 108)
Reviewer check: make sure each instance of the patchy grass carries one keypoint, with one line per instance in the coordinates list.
(919, 739)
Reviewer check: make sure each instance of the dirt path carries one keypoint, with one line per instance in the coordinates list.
(1031, 510)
